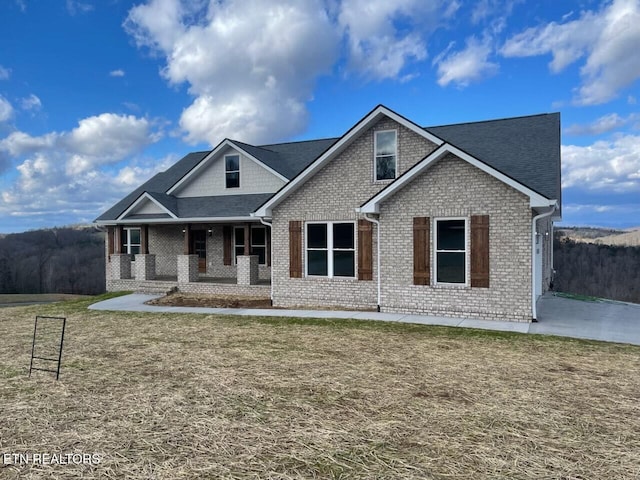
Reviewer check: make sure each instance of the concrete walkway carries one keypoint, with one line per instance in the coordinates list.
(607, 321)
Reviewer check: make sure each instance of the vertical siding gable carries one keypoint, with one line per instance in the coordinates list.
(210, 180)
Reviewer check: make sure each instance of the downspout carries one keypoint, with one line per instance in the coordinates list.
(268, 224)
(377, 223)
(534, 313)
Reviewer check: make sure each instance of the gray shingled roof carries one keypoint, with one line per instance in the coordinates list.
(526, 149)
(221, 206)
(160, 183)
(288, 159)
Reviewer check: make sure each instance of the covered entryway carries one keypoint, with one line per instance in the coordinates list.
(199, 248)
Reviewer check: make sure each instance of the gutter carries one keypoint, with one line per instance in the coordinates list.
(534, 221)
(270, 225)
(377, 223)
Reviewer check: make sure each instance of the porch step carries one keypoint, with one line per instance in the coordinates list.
(154, 287)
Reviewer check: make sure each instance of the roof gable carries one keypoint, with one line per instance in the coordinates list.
(338, 147)
(373, 204)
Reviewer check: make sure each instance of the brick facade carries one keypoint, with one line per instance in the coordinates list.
(333, 194)
(433, 194)
(450, 188)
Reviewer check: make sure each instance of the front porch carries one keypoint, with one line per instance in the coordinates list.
(204, 285)
(197, 258)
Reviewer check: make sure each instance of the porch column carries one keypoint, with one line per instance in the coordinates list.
(145, 267)
(144, 239)
(187, 268)
(247, 238)
(247, 269)
(120, 266)
(187, 250)
(118, 234)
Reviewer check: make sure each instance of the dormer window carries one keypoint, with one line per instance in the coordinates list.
(386, 154)
(232, 171)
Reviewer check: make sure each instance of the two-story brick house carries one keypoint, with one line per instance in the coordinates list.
(453, 220)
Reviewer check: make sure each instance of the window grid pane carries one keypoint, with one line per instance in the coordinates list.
(317, 235)
(317, 262)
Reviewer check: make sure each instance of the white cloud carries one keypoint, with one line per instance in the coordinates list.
(603, 124)
(251, 65)
(465, 66)
(6, 110)
(74, 7)
(32, 102)
(81, 170)
(380, 44)
(117, 73)
(109, 137)
(5, 73)
(612, 166)
(608, 39)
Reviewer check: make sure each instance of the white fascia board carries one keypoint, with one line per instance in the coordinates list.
(144, 196)
(337, 148)
(535, 199)
(155, 221)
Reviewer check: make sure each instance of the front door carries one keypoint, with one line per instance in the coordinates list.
(200, 249)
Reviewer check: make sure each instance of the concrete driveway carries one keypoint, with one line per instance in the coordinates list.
(606, 320)
(600, 320)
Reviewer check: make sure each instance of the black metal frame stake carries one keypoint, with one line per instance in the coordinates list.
(33, 347)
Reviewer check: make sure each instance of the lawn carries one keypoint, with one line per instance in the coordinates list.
(170, 396)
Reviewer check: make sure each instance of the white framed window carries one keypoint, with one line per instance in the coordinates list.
(385, 154)
(232, 171)
(257, 243)
(131, 241)
(450, 240)
(330, 249)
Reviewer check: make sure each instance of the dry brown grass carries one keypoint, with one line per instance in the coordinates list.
(194, 396)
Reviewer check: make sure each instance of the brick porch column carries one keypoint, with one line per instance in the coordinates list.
(247, 269)
(145, 267)
(187, 268)
(120, 266)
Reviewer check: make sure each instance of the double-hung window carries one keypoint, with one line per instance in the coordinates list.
(232, 171)
(131, 241)
(451, 250)
(330, 249)
(386, 154)
(257, 243)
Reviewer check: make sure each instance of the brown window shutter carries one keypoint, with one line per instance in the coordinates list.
(421, 257)
(227, 240)
(295, 249)
(365, 250)
(110, 241)
(480, 251)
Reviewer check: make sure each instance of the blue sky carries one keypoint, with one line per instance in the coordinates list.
(97, 96)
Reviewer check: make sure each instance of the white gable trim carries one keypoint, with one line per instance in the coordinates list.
(145, 196)
(214, 153)
(373, 204)
(368, 121)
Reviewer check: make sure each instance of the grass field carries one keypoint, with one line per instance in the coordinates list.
(169, 396)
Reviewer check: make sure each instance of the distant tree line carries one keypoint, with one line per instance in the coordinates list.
(58, 260)
(608, 271)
